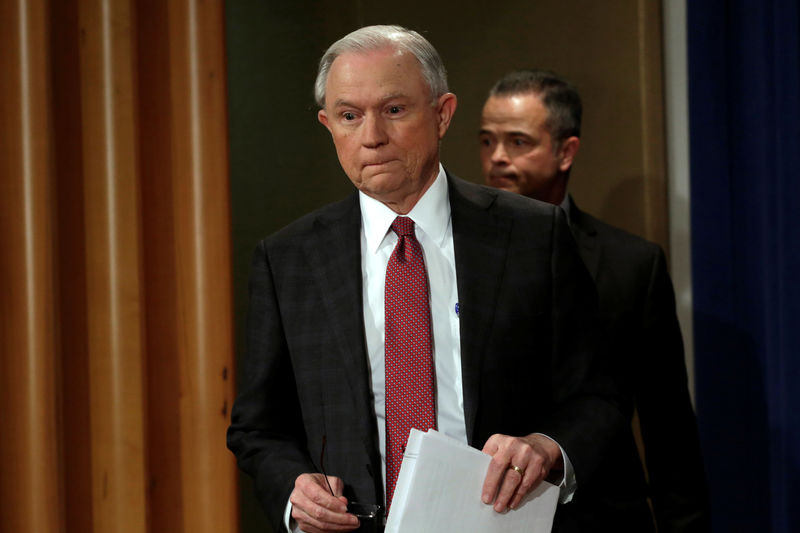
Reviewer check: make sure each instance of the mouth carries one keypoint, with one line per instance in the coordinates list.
(501, 179)
(376, 163)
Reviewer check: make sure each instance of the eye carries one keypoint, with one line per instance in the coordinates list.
(348, 115)
(519, 142)
(395, 109)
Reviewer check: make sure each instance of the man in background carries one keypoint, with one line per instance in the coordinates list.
(529, 138)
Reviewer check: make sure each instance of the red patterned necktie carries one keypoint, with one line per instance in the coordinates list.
(409, 364)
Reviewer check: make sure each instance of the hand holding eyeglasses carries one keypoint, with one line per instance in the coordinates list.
(316, 509)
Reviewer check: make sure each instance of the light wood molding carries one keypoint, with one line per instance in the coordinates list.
(30, 480)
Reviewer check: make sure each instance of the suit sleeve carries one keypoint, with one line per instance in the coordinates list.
(266, 432)
(589, 404)
(669, 431)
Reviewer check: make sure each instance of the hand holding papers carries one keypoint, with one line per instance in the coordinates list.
(439, 489)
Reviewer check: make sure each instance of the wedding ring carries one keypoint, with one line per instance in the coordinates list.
(517, 469)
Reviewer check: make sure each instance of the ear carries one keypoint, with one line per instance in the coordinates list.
(567, 152)
(445, 109)
(322, 116)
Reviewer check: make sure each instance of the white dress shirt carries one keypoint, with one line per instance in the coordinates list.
(434, 231)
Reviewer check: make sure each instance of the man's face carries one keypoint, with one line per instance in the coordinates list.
(385, 129)
(517, 152)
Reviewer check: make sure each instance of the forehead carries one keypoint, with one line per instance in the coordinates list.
(374, 75)
(516, 112)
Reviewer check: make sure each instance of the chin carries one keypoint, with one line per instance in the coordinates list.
(382, 183)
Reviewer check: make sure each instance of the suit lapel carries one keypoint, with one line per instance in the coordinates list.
(586, 237)
(480, 240)
(334, 254)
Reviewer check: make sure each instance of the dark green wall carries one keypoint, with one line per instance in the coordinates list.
(284, 165)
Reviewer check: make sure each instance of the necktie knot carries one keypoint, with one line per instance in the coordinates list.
(403, 226)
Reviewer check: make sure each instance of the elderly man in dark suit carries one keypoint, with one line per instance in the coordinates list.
(529, 137)
(420, 301)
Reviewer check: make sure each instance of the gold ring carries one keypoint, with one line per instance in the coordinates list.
(517, 469)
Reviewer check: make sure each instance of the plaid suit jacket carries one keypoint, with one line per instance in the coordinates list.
(529, 353)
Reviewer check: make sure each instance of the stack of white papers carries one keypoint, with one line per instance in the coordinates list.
(439, 489)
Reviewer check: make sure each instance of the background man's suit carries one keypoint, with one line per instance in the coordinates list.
(637, 307)
(527, 316)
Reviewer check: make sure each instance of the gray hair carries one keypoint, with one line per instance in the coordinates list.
(371, 38)
(560, 98)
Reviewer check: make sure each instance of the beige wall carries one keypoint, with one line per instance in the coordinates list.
(611, 51)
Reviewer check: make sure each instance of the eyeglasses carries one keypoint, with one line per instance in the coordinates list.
(370, 516)
(322, 465)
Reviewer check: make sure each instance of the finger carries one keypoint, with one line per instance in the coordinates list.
(494, 478)
(306, 510)
(309, 528)
(492, 445)
(508, 489)
(497, 446)
(314, 507)
(315, 488)
(534, 472)
(310, 517)
(520, 474)
(530, 480)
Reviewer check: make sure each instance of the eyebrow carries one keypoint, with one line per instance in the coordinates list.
(393, 96)
(514, 133)
(344, 103)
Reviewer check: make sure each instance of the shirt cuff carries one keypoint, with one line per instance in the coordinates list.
(288, 521)
(567, 484)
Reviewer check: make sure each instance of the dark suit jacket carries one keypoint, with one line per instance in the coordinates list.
(637, 306)
(528, 319)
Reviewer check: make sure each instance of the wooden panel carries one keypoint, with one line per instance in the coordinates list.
(29, 472)
(113, 266)
(184, 159)
(71, 271)
(161, 296)
(129, 341)
(202, 237)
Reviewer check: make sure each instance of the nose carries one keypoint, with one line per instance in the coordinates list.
(499, 155)
(373, 133)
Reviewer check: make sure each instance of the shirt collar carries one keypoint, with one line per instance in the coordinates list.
(431, 214)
